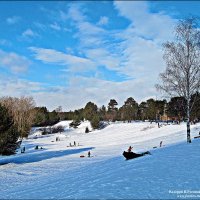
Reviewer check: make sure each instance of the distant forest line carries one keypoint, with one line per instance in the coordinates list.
(151, 109)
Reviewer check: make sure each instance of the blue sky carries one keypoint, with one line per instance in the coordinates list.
(68, 53)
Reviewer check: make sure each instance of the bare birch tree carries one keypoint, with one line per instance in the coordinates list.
(182, 56)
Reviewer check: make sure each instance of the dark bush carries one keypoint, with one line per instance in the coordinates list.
(75, 124)
(87, 130)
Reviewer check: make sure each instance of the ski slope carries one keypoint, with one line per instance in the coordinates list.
(57, 171)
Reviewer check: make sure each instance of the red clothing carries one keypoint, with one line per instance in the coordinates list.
(129, 149)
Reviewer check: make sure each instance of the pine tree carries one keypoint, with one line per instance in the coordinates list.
(95, 122)
(8, 133)
(130, 109)
(112, 110)
(90, 110)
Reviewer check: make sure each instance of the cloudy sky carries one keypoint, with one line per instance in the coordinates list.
(68, 53)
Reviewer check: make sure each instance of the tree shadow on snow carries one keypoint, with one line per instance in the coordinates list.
(40, 155)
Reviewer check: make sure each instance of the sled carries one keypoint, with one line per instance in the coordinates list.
(132, 155)
(82, 156)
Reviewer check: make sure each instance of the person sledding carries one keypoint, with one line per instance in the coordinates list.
(130, 149)
(130, 155)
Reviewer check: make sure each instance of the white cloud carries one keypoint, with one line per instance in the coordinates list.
(80, 91)
(63, 15)
(144, 23)
(55, 26)
(89, 34)
(101, 56)
(4, 42)
(96, 90)
(141, 50)
(103, 20)
(75, 14)
(28, 33)
(94, 42)
(40, 26)
(13, 61)
(13, 20)
(73, 63)
(18, 87)
(142, 58)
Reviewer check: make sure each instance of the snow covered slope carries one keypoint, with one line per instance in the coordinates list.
(57, 171)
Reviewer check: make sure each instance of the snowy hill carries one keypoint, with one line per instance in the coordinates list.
(57, 171)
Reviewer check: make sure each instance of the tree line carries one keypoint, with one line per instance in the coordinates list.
(151, 109)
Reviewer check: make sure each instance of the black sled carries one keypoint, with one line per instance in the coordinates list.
(131, 155)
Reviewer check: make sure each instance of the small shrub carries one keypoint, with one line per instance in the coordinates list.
(57, 129)
(75, 124)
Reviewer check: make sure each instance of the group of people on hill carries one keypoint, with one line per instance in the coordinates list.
(70, 144)
(23, 149)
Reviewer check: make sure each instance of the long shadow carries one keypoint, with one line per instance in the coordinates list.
(41, 155)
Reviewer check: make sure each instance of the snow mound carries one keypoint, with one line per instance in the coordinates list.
(64, 124)
(81, 128)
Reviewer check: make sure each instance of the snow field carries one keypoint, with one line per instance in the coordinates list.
(57, 171)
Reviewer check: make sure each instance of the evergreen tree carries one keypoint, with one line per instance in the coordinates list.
(90, 111)
(8, 133)
(112, 105)
(78, 115)
(95, 122)
(195, 104)
(53, 117)
(159, 106)
(130, 109)
(102, 113)
(151, 109)
(41, 116)
(143, 111)
(112, 110)
(176, 108)
(91, 114)
(154, 109)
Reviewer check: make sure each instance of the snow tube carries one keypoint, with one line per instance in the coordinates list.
(131, 155)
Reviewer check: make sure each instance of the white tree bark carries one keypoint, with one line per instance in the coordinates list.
(182, 56)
